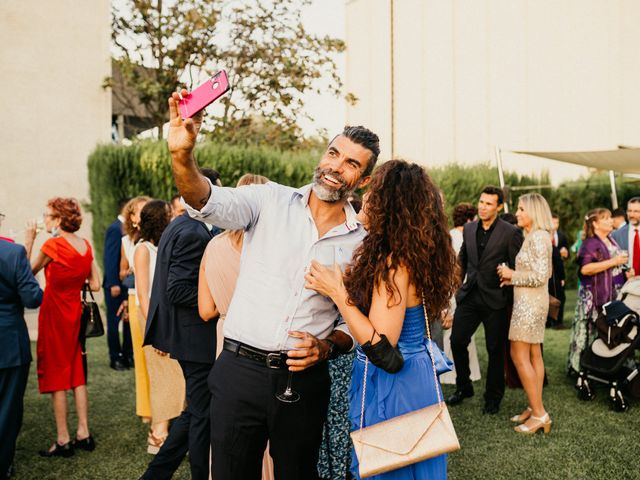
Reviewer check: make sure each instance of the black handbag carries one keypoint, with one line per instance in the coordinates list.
(90, 322)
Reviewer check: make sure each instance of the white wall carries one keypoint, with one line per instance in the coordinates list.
(521, 74)
(54, 57)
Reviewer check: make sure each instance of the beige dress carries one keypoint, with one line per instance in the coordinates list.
(221, 269)
(530, 292)
(166, 382)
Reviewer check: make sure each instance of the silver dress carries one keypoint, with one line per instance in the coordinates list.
(530, 292)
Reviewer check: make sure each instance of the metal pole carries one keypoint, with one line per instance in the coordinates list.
(498, 154)
(393, 119)
(614, 194)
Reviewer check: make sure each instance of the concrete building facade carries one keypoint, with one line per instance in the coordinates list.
(55, 57)
(471, 75)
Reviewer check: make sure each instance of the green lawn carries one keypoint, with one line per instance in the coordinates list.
(587, 440)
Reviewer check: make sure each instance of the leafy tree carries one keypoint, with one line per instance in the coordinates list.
(271, 60)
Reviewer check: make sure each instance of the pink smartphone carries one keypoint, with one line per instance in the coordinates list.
(204, 95)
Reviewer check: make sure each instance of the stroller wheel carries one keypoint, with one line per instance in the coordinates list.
(616, 401)
(585, 393)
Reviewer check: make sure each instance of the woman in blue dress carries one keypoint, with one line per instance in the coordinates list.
(406, 257)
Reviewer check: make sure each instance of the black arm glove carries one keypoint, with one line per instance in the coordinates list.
(383, 355)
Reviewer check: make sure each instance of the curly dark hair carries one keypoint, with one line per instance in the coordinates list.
(68, 211)
(407, 227)
(154, 218)
(462, 213)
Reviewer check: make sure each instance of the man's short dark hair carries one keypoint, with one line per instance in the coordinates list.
(366, 138)
(509, 218)
(493, 190)
(634, 200)
(175, 198)
(211, 174)
(122, 202)
(618, 212)
(555, 216)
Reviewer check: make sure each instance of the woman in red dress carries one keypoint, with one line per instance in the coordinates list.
(67, 260)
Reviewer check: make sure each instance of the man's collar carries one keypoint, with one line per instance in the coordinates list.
(493, 225)
(121, 218)
(303, 193)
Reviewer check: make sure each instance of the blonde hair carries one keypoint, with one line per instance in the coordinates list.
(538, 210)
(131, 230)
(246, 179)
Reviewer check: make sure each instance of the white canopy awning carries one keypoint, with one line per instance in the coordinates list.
(624, 160)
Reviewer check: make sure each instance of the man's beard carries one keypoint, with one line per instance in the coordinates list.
(328, 194)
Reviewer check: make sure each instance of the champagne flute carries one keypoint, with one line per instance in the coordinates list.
(289, 395)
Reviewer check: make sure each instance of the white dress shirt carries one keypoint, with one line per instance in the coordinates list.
(280, 241)
(632, 236)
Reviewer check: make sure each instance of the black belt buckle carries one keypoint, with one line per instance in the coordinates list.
(275, 360)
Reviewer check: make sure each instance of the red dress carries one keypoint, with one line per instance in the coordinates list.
(59, 354)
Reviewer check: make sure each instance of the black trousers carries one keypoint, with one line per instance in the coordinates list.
(468, 317)
(117, 350)
(13, 382)
(190, 431)
(245, 414)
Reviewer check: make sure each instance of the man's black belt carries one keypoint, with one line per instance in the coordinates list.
(275, 360)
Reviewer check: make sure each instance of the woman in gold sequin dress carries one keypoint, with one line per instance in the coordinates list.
(530, 307)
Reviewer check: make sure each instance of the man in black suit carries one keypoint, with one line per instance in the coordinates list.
(18, 289)
(559, 254)
(120, 354)
(175, 327)
(487, 243)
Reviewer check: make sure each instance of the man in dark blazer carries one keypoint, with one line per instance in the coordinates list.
(120, 354)
(487, 243)
(175, 327)
(18, 289)
(559, 253)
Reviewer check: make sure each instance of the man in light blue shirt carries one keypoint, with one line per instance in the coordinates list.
(271, 311)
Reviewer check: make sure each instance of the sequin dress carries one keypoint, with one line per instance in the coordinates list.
(530, 292)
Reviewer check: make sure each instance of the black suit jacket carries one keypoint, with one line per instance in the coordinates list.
(563, 241)
(481, 273)
(173, 323)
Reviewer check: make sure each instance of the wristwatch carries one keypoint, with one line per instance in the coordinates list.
(333, 350)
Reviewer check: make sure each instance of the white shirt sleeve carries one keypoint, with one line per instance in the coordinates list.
(232, 208)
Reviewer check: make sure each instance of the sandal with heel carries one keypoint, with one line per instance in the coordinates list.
(523, 417)
(154, 444)
(543, 422)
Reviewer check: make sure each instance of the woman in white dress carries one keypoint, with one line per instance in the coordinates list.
(129, 309)
(462, 213)
(166, 382)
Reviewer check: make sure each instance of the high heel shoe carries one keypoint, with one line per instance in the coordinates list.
(88, 444)
(154, 444)
(58, 450)
(543, 422)
(523, 417)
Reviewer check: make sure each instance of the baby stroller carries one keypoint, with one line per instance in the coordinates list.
(610, 358)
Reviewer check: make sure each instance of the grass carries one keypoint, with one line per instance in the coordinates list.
(587, 441)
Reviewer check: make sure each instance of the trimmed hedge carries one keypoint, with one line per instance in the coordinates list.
(144, 168)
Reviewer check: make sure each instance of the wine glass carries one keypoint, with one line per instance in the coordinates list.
(289, 395)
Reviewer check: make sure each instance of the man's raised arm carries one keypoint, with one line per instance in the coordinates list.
(191, 184)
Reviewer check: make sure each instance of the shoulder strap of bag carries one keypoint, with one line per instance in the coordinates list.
(85, 289)
(433, 364)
